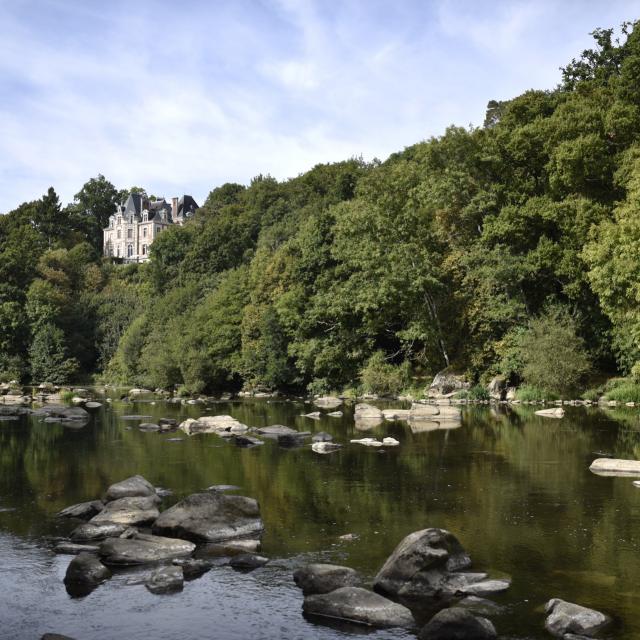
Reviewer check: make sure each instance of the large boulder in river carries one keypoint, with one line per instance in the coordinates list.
(419, 553)
(143, 549)
(497, 388)
(85, 569)
(457, 624)
(130, 488)
(61, 413)
(130, 511)
(566, 618)
(324, 578)
(211, 517)
(427, 564)
(213, 424)
(354, 604)
(364, 411)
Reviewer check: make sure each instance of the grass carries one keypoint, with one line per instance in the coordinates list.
(625, 390)
(67, 395)
(477, 392)
(529, 393)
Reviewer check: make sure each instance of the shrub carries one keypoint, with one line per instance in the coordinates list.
(553, 355)
(477, 392)
(383, 378)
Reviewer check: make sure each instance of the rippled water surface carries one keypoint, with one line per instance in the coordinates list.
(513, 487)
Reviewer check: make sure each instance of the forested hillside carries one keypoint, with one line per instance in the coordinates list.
(509, 249)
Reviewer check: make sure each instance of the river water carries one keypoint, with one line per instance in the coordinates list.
(513, 487)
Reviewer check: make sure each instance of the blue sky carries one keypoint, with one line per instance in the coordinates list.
(184, 96)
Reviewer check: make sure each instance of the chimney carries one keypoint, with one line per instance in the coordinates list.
(174, 207)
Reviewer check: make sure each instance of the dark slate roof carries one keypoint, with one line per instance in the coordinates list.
(186, 206)
(133, 204)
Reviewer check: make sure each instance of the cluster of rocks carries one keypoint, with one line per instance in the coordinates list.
(428, 570)
(126, 529)
(69, 416)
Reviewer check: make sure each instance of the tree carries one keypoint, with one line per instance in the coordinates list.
(48, 358)
(92, 206)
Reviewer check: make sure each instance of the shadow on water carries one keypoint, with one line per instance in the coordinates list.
(514, 488)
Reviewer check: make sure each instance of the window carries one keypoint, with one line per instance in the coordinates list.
(130, 219)
(144, 249)
(118, 251)
(145, 216)
(129, 233)
(119, 220)
(144, 232)
(129, 250)
(157, 230)
(119, 234)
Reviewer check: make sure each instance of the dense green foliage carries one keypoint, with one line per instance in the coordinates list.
(451, 252)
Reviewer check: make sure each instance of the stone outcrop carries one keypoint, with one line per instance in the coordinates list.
(354, 604)
(213, 424)
(89, 531)
(130, 511)
(211, 517)
(61, 413)
(135, 486)
(497, 388)
(445, 383)
(457, 624)
(324, 578)
(429, 564)
(143, 549)
(364, 411)
(567, 618)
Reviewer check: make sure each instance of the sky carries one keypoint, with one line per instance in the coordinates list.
(181, 97)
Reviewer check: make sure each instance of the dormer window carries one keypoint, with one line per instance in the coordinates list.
(145, 217)
(119, 220)
(130, 219)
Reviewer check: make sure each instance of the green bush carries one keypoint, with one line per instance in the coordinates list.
(529, 393)
(383, 378)
(477, 392)
(627, 391)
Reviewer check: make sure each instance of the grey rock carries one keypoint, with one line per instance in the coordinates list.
(148, 426)
(293, 439)
(61, 413)
(232, 548)
(211, 517)
(87, 570)
(322, 436)
(92, 405)
(143, 549)
(165, 580)
(82, 510)
(367, 411)
(358, 605)
(566, 617)
(423, 559)
(327, 402)
(136, 510)
(457, 624)
(90, 531)
(193, 568)
(248, 561)
(325, 447)
(276, 430)
(223, 487)
(324, 578)
(71, 549)
(480, 606)
(246, 441)
(130, 488)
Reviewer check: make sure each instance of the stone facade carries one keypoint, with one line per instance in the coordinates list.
(137, 223)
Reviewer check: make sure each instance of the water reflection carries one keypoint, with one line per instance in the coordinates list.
(514, 487)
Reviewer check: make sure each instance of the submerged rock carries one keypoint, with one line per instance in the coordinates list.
(566, 617)
(248, 561)
(325, 447)
(136, 510)
(143, 549)
(322, 436)
(165, 580)
(246, 441)
(551, 413)
(211, 517)
(85, 569)
(69, 548)
(130, 488)
(324, 578)
(293, 439)
(82, 510)
(457, 624)
(358, 605)
(193, 568)
(61, 413)
(276, 430)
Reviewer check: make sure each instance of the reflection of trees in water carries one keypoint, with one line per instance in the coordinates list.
(514, 487)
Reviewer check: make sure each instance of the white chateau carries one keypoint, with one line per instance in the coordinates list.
(136, 224)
